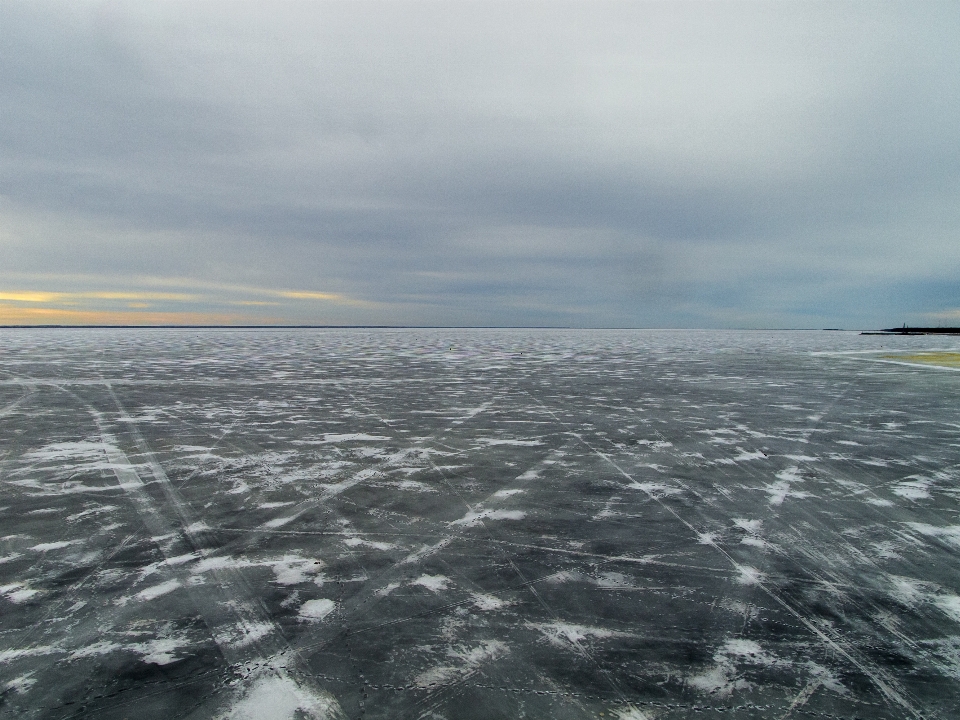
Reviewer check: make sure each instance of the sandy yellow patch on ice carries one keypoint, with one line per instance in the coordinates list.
(944, 359)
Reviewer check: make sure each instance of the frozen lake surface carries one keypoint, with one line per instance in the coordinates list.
(477, 524)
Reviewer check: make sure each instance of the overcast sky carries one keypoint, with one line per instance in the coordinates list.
(643, 164)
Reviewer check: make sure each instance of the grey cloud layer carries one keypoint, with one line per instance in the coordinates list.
(496, 163)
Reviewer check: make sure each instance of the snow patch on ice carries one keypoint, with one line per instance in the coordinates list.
(20, 684)
(915, 489)
(749, 575)
(656, 490)
(722, 679)
(17, 592)
(357, 542)
(950, 605)
(314, 610)
(152, 593)
(275, 696)
(59, 545)
(351, 437)
(500, 441)
(279, 522)
(950, 533)
(486, 602)
(467, 661)
(474, 518)
(563, 634)
(434, 583)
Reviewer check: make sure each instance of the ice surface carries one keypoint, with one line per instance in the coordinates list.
(477, 524)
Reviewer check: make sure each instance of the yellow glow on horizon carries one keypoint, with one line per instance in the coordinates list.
(40, 296)
(177, 297)
(307, 295)
(31, 296)
(212, 302)
(16, 315)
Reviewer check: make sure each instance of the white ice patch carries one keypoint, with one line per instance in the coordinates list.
(486, 602)
(916, 489)
(213, 564)
(386, 589)
(21, 684)
(614, 581)
(950, 533)
(288, 570)
(293, 569)
(243, 634)
(101, 647)
(501, 441)
(655, 444)
(950, 605)
(275, 696)
(474, 518)
(749, 575)
(508, 493)
(778, 492)
(878, 502)
(17, 592)
(655, 490)
(357, 542)
(746, 455)
(314, 610)
(782, 488)
(76, 451)
(466, 662)
(907, 590)
(279, 522)
(47, 547)
(723, 679)
(434, 583)
(17, 653)
(563, 634)
(750, 526)
(412, 485)
(708, 538)
(790, 474)
(151, 593)
(351, 437)
(630, 713)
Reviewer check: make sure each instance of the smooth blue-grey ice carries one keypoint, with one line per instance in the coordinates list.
(476, 524)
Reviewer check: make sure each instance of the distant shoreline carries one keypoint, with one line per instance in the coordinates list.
(915, 331)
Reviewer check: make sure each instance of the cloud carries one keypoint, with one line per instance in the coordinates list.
(687, 163)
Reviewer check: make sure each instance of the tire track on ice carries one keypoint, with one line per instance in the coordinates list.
(240, 626)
